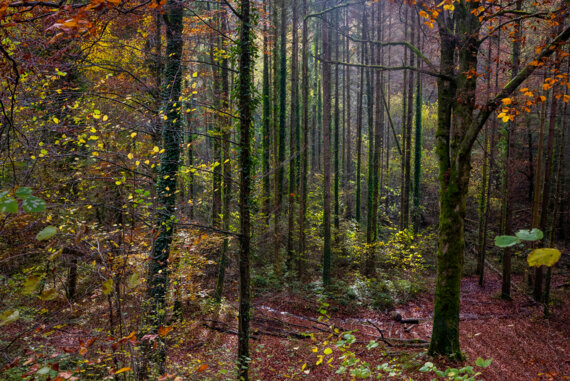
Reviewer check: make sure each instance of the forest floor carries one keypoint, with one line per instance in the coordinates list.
(292, 333)
(522, 343)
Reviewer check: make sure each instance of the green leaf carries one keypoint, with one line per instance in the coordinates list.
(48, 294)
(33, 204)
(3, 194)
(483, 363)
(46, 233)
(8, 205)
(108, 286)
(23, 192)
(8, 317)
(506, 240)
(543, 257)
(31, 283)
(44, 370)
(529, 235)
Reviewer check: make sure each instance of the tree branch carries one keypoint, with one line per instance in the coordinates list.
(508, 89)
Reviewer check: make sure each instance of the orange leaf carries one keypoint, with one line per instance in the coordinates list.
(125, 369)
(163, 331)
(507, 101)
(203, 367)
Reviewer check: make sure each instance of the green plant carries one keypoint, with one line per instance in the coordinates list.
(466, 373)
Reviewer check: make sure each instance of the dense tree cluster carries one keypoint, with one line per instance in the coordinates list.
(303, 136)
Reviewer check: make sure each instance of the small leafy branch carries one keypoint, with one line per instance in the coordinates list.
(537, 257)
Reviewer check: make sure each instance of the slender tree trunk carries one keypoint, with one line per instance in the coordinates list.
(507, 252)
(336, 127)
(245, 105)
(304, 144)
(227, 167)
(349, 196)
(326, 84)
(294, 126)
(266, 120)
(418, 139)
(369, 265)
(358, 208)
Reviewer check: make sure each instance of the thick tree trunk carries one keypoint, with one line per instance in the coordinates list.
(167, 177)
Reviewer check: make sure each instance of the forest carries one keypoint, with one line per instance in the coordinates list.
(284, 189)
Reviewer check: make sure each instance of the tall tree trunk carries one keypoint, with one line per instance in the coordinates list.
(326, 124)
(167, 177)
(226, 129)
(369, 264)
(408, 141)
(294, 126)
(245, 106)
(304, 144)
(358, 208)
(266, 119)
(507, 252)
(418, 139)
(349, 196)
(336, 148)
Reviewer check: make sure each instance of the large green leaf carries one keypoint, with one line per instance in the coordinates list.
(8, 205)
(33, 204)
(48, 294)
(8, 316)
(31, 283)
(3, 194)
(506, 240)
(529, 235)
(543, 257)
(134, 280)
(46, 233)
(23, 192)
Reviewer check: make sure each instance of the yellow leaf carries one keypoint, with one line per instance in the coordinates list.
(195, 74)
(105, 117)
(133, 134)
(543, 257)
(130, 156)
(327, 351)
(155, 149)
(108, 286)
(55, 120)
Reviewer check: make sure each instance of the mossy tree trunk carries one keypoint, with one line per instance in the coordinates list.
(167, 176)
(453, 149)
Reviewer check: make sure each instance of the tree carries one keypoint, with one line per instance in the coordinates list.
(453, 148)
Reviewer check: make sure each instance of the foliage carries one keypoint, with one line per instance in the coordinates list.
(466, 373)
